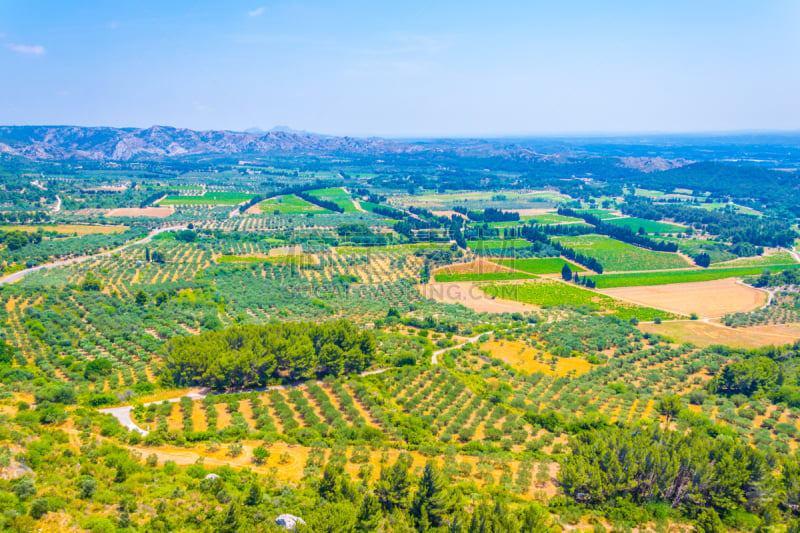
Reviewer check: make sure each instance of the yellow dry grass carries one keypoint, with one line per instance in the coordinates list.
(223, 416)
(287, 461)
(155, 212)
(523, 357)
(175, 418)
(68, 229)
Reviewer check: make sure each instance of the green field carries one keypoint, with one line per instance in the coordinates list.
(551, 218)
(482, 276)
(778, 258)
(209, 198)
(289, 204)
(498, 244)
(545, 265)
(619, 256)
(337, 196)
(548, 293)
(546, 218)
(608, 281)
(650, 226)
(599, 213)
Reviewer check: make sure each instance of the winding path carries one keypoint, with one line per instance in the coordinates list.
(16, 276)
(437, 353)
(123, 414)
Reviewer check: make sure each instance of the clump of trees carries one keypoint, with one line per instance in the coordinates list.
(692, 472)
(256, 355)
(489, 214)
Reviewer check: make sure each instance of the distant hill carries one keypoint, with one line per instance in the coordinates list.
(121, 144)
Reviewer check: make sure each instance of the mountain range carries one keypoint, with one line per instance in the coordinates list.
(122, 144)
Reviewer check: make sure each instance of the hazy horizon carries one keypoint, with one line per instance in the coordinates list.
(416, 70)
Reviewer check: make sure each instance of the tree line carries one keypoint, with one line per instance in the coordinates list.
(537, 233)
(620, 233)
(734, 227)
(490, 214)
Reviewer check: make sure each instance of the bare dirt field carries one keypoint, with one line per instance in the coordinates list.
(68, 229)
(706, 298)
(706, 333)
(470, 295)
(533, 211)
(286, 250)
(447, 213)
(156, 212)
(478, 266)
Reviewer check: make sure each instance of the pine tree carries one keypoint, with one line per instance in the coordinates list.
(566, 272)
(430, 501)
(253, 496)
(369, 514)
(393, 485)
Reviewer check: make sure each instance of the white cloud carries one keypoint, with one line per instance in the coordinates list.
(256, 12)
(28, 49)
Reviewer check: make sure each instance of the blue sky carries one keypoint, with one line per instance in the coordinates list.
(411, 68)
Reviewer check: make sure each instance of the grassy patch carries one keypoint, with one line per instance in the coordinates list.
(608, 281)
(209, 198)
(545, 265)
(337, 196)
(549, 293)
(545, 218)
(289, 204)
(498, 244)
(650, 226)
(599, 213)
(619, 256)
(778, 258)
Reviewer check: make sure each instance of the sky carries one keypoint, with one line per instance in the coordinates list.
(416, 68)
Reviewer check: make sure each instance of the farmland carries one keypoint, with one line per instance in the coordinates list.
(207, 198)
(482, 276)
(616, 256)
(336, 195)
(649, 226)
(548, 265)
(704, 298)
(607, 281)
(498, 244)
(549, 293)
(315, 357)
(67, 229)
(288, 204)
